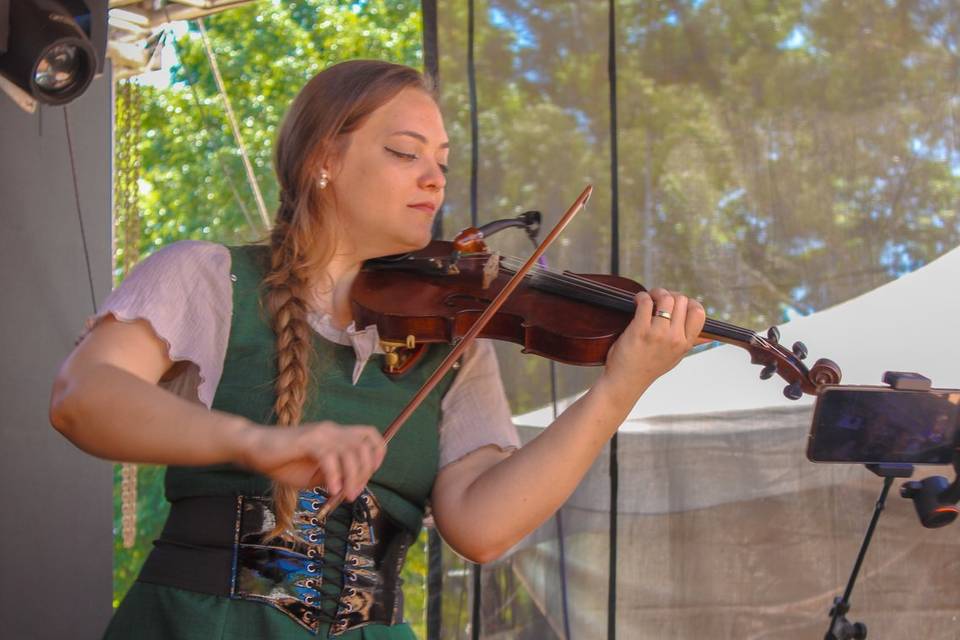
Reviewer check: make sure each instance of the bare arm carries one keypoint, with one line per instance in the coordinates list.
(489, 500)
(105, 400)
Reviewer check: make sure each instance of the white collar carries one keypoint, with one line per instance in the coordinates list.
(365, 342)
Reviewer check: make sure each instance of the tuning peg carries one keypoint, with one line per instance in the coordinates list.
(799, 350)
(773, 335)
(768, 371)
(793, 391)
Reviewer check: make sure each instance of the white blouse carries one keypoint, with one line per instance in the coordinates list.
(184, 291)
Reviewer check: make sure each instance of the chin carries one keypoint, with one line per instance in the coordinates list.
(415, 242)
(406, 244)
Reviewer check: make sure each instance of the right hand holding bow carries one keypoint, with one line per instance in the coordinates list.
(339, 458)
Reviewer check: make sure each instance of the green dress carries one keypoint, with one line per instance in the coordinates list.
(402, 484)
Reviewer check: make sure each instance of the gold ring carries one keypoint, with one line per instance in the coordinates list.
(666, 315)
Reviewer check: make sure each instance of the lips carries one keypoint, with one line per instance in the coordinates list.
(426, 207)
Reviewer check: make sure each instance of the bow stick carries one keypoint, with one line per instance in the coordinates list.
(334, 501)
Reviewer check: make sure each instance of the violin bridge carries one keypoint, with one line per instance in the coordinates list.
(491, 269)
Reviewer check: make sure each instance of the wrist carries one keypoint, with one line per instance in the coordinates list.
(617, 393)
(238, 437)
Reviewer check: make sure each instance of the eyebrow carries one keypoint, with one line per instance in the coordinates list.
(418, 136)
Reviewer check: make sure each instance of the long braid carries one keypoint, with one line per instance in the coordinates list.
(304, 236)
(285, 300)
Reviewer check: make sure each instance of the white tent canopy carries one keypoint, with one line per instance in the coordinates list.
(725, 529)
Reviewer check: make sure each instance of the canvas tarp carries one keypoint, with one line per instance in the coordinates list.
(725, 529)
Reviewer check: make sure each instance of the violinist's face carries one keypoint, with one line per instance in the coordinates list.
(389, 181)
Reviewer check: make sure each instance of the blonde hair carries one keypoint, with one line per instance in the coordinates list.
(334, 103)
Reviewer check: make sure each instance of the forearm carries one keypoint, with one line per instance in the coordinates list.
(509, 499)
(113, 414)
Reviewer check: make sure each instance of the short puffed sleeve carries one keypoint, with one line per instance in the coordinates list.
(185, 294)
(475, 412)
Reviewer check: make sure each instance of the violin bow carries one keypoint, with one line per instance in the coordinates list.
(334, 501)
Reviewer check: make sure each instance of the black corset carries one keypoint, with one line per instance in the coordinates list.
(343, 571)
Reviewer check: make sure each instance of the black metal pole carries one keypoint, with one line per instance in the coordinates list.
(615, 270)
(840, 628)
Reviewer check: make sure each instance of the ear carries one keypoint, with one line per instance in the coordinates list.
(326, 172)
(332, 164)
(330, 167)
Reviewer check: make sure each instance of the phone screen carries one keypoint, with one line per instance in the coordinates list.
(883, 425)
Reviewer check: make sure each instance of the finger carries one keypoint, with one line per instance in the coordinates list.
(329, 463)
(378, 449)
(373, 444)
(644, 312)
(663, 303)
(693, 325)
(367, 457)
(679, 318)
(317, 479)
(353, 481)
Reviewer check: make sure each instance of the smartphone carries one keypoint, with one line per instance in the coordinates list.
(864, 424)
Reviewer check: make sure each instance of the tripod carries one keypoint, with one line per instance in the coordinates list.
(841, 628)
(934, 498)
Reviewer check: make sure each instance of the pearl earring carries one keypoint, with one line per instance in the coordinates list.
(323, 181)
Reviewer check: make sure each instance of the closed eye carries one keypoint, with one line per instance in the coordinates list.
(401, 154)
(444, 169)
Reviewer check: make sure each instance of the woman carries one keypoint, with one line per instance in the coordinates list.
(256, 336)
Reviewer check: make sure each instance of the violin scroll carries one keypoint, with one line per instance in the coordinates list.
(775, 359)
(824, 372)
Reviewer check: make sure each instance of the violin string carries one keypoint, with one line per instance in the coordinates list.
(607, 291)
(573, 281)
(602, 290)
(579, 282)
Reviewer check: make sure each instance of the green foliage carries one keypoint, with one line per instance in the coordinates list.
(152, 511)
(414, 576)
(774, 158)
(193, 184)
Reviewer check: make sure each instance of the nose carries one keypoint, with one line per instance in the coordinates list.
(433, 178)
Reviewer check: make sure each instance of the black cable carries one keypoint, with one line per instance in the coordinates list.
(431, 68)
(475, 613)
(76, 197)
(474, 162)
(431, 48)
(474, 121)
(559, 516)
(615, 270)
(434, 584)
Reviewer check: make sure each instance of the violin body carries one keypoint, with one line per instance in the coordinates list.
(437, 306)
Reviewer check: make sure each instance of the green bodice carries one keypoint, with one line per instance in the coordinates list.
(403, 482)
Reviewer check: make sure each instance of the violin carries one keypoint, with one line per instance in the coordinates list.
(435, 295)
(454, 292)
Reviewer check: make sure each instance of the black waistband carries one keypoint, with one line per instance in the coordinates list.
(195, 550)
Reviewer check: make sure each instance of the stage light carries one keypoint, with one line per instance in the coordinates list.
(53, 48)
